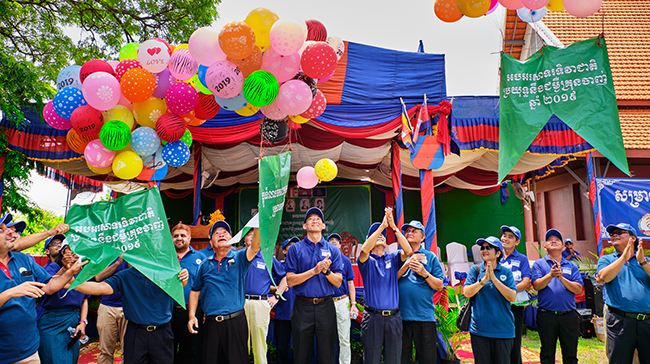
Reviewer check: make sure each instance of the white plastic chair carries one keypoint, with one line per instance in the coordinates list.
(456, 261)
(476, 253)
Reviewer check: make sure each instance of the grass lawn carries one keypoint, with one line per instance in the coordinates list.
(590, 351)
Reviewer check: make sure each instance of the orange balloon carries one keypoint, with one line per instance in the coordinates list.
(78, 142)
(191, 120)
(137, 85)
(447, 10)
(237, 39)
(249, 64)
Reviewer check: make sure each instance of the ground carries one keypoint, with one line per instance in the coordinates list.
(590, 351)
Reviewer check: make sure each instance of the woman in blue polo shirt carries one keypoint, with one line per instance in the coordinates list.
(492, 326)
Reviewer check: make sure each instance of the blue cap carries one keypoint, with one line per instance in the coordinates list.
(49, 240)
(568, 240)
(293, 239)
(19, 225)
(314, 211)
(334, 235)
(553, 232)
(414, 223)
(622, 226)
(492, 240)
(512, 229)
(6, 219)
(220, 223)
(374, 228)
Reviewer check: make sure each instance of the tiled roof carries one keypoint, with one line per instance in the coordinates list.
(626, 24)
(635, 125)
(513, 36)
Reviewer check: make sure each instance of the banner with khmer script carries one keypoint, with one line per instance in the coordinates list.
(624, 200)
(133, 225)
(572, 83)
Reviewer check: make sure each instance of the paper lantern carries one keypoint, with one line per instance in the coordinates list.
(473, 8)
(154, 161)
(249, 64)
(294, 97)
(144, 141)
(261, 20)
(86, 120)
(531, 16)
(120, 113)
(237, 39)
(318, 60)
(137, 85)
(78, 142)
(101, 90)
(282, 67)
(316, 30)
(534, 4)
(176, 154)
(129, 51)
(53, 119)
(447, 11)
(207, 107)
(317, 106)
(248, 110)
(181, 98)
(338, 45)
(326, 169)
(153, 55)
(260, 88)
(97, 155)
(224, 79)
(69, 76)
(187, 138)
(204, 46)
(164, 80)
(511, 4)
(115, 135)
(306, 178)
(274, 131)
(68, 100)
(170, 127)
(127, 165)
(582, 8)
(287, 36)
(147, 113)
(555, 5)
(182, 66)
(95, 65)
(272, 111)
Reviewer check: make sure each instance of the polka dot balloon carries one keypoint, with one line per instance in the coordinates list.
(287, 36)
(317, 106)
(53, 119)
(137, 85)
(176, 154)
(145, 141)
(318, 60)
(124, 66)
(68, 100)
(181, 98)
(447, 11)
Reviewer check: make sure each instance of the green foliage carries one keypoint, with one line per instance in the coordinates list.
(15, 179)
(447, 318)
(39, 220)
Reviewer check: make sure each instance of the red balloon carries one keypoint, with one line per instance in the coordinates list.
(317, 106)
(124, 66)
(316, 30)
(318, 60)
(207, 107)
(95, 65)
(170, 127)
(87, 120)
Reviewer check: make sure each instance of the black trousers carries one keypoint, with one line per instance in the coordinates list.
(282, 331)
(379, 332)
(565, 327)
(148, 347)
(624, 334)
(307, 320)
(423, 334)
(489, 350)
(518, 312)
(187, 346)
(225, 342)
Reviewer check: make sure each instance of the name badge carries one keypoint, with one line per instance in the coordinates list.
(566, 270)
(231, 262)
(507, 265)
(389, 264)
(517, 276)
(261, 265)
(324, 252)
(516, 263)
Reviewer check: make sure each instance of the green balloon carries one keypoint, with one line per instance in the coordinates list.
(187, 137)
(197, 83)
(129, 51)
(115, 135)
(261, 88)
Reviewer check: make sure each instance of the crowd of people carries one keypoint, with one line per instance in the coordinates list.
(229, 296)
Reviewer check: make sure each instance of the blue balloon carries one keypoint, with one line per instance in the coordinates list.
(201, 72)
(160, 173)
(176, 153)
(144, 141)
(69, 76)
(232, 104)
(68, 100)
(154, 161)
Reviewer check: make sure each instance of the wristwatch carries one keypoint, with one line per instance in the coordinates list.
(277, 296)
(328, 272)
(644, 262)
(395, 231)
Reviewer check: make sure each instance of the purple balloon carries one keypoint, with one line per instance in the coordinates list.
(164, 80)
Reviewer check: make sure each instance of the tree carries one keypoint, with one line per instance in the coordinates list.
(39, 220)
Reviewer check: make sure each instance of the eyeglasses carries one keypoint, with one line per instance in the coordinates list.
(54, 245)
(488, 247)
(619, 232)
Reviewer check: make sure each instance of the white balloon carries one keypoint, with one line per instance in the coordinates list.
(531, 16)
(153, 55)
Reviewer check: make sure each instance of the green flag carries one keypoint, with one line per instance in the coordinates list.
(134, 225)
(572, 83)
(274, 179)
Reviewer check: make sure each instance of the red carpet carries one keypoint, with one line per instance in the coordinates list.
(464, 353)
(88, 353)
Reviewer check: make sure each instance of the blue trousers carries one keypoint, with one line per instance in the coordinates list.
(53, 328)
(379, 331)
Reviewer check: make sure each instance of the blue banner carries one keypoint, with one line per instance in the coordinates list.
(624, 200)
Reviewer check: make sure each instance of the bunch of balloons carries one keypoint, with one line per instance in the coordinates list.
(130, 117)
(324, 171)
(528, 10)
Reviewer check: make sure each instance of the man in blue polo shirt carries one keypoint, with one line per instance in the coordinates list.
(111, 323)
(314, 270)
(419, 278)
(557, 282)
(282, 327)
(382, 323)
(627, 287)
(220, 284)
(569, 253)
(518, 264)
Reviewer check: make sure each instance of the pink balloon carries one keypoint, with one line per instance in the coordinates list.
(97, 155)
(317, 106)
(534, 4)
(102, 90)
(582, 8)
(318, 60)
(164, 80)
(493, 6)
(511, 4)
(124, 66)
(325, 79)
(113, 64)
(273, 112)
(182, 65)
(282, 67)
(181, 98)
(126, 103)
(53, 119)
(204, 46)
(287, 36)
(294, 97)
(307, 178)
(224, 79)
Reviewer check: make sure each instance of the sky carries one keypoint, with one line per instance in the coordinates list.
(471, 48)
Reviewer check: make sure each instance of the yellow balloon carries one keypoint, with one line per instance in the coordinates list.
(261, 20)
(147, 113)
(555, 5)
(248, 110)
(298, 119)
(96, 170)
(473, 8)
(181, 46)
(121, 113)
(127, 165)
(326, 170)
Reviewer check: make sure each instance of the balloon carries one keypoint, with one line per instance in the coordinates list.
(101, 91)
(170, 127)
(274, 131)
(181, 98)
(555, 5)
(534, 4)
(318, 60)
(326, 78)
(316, 30)
(531, 16)
(224, 79)
(204, 46)
(260, 88)
(306, 178)
(261, 20)
(582, 8)
(137, 85)
(153, 55)
(312, 83)
(511, 4)
(326, 169)
(249, 64)
(78, 142)
(154, 161)
(166, 43)
(473, 8)
(127, 165)
(282, 67)
(115, 135)
(97, 155)
(69, 76)
(164, 80)
(287, 36)
(272, 111)
(187, 138)
(144, 141)
(120, 113)
(53, 119)
(129, 51)
(126, 103)
(317, 106)
(207, 107)
(147, 113)
(237, 39)
(447, 11)
(86, 120)
(248, 110)
(176, 153)
(298, 119)
(338, 45)
(494, 4)
(232, 104)
(68, 100)
(182, 66)
(124, 66)
(96, 170)
(95, 65)
(148, 174)
(294, 97)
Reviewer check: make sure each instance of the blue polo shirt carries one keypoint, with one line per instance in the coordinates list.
(221, 283)
(258, 281)
(143, 301)
(491, 314)
(379, 275)
(191, 261)
(18, 330)
(348, 275)
(565, 254)
(520, 268)
(630, 289)
(283, 308)
(115, 299)
(60, 299)
(416, 296)
(555, 297)
(303, 256)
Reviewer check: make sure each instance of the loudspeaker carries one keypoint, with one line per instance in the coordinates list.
(594, 296)
(587, 329)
